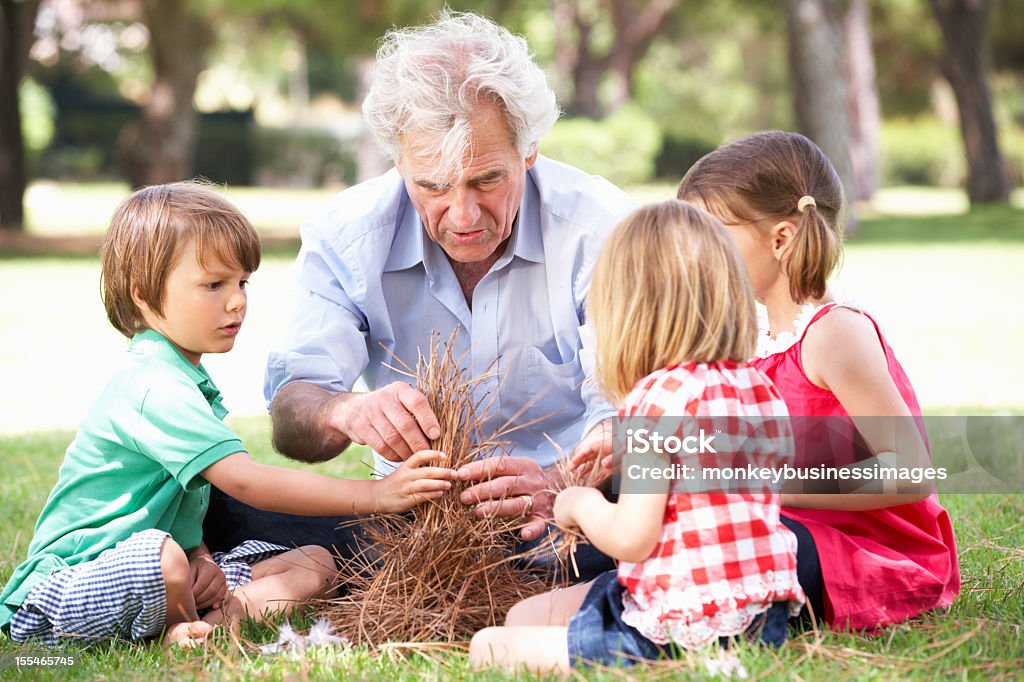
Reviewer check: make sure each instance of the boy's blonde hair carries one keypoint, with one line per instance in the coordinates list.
(763, 177)
(669, 287)
(146, 236)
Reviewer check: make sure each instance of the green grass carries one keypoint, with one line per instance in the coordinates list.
(984, 224)
(945, 286)
(978, 637)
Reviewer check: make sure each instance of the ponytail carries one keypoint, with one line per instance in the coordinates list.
(813, 255)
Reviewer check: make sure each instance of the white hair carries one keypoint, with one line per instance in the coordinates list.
(430, 79)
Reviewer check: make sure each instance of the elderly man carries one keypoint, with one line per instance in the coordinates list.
(471, 230)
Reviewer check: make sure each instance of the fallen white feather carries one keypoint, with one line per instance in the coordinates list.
(725, 664)
(289, 641)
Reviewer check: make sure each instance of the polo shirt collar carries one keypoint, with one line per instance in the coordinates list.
(411, 245)
(153, 344)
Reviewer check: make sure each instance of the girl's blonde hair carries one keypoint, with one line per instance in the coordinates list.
(146, 236)
(668, 287)
(763, 177)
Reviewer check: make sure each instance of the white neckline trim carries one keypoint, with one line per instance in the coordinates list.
(783, 341)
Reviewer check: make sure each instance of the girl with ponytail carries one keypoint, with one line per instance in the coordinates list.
(888, 552)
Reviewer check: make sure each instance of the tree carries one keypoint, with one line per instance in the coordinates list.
(160, 146)
(816, 57)
(862, 99)
(634, 26)
(348, 32)
(17, 20)
(964, 63)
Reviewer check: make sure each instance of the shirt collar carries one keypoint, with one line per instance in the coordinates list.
(527, 241)
(153, 344)
(409, 246)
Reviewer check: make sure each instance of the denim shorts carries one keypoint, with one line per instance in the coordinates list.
(598, 635)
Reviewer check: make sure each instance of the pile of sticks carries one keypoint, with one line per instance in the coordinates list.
(438, 573)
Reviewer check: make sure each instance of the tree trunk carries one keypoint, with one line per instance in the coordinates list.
(635, 29)
(965, 65)
(862, 100)
(564, 19)
(160, 146)
(634, 25)
(17, 21)
(587, 76)
(579, 70)
(815, 29)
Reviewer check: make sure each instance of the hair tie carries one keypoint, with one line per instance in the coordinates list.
(804, 202)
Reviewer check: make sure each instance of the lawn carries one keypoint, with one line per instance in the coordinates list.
(946, 288)
(978, 637)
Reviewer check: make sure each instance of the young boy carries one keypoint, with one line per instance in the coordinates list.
(117, 550)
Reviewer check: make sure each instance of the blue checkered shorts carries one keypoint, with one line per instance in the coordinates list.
(118, 595)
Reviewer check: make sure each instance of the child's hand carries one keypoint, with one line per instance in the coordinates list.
(413, 482)
(566, 503)
(209, 586)
(596, 445)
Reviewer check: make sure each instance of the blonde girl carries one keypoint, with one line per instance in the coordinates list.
(674, 318)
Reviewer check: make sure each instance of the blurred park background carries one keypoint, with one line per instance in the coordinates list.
(267, 92)
(919, 104)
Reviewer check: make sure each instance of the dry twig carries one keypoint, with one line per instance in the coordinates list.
(438, 573)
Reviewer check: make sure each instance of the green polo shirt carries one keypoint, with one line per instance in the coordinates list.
(134, 465)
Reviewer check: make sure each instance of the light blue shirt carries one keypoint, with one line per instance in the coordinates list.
(371, 278)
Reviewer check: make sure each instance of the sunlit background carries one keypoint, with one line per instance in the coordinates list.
(262, 97)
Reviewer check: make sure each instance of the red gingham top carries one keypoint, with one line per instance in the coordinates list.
(723, 558)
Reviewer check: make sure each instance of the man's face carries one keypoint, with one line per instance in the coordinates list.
(472, 218)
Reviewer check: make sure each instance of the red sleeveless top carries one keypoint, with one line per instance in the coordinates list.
(879, 566)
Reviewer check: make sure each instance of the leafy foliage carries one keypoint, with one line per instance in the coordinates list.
(925, 151)
(622, 147)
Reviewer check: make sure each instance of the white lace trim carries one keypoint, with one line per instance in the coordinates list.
(677, 615)
(783, 341)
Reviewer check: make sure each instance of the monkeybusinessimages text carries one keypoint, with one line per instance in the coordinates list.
(646, 442)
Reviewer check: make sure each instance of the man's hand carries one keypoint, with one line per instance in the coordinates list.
(510, 486)
(597, 444)
(395, 420)
(209, 586)
(412, 483)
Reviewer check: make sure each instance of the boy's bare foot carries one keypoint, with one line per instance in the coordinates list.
(187, 635)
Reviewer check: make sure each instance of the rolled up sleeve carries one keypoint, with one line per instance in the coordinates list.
(325, 341)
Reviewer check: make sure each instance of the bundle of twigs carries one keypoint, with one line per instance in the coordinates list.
(437, 573)
(563, 541)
